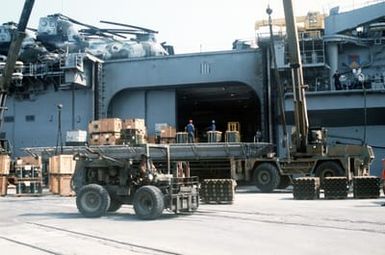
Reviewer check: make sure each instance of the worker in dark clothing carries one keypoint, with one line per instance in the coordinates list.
(337, 82)
(190, 129)
(212, 127)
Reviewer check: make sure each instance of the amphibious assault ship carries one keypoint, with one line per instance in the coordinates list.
(96, 73)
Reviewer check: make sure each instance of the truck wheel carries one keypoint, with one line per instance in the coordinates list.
(114, 205)
(148, 202)
(266, 177)
(284, 182)
(328, 169)
(92, 200)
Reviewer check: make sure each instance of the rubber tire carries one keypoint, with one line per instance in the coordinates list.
(93, 200)
(114, 205)
(266, 177)
(329, 169)
(284, 182)
(148, 202)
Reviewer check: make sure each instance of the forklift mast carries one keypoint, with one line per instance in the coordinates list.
(300, 109)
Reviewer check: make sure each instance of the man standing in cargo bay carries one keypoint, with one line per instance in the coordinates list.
(190, 129)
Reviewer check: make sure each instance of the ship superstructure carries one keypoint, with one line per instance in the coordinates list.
(344, 71)
(94, 74)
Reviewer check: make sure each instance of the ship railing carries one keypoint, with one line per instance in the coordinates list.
(40, 70)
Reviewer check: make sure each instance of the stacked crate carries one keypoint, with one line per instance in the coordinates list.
(306, 188)
(335, 187)
(214, 136)
(61, 169)
(217, 190)
(28, 175)
(105, 131)
(5, 163)
(366, 186)
(133, 132)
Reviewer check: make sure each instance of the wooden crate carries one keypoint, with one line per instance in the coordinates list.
(65, 185)
(134, 124)
(29, 160)
(5, 164)
(110, 139)
(3, 185)
(62, 164)
(104, 139)
(168, 132)
(54, 183)
(94, 139)
(111, 125)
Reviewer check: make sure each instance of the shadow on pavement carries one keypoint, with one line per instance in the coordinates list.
(116, 216)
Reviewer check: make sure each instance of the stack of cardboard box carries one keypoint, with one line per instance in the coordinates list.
(61, 169)
(105, 131)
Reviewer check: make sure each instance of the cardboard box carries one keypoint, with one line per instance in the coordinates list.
(62, 164)
(5, 164)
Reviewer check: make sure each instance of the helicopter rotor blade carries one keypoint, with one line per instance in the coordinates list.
(89, 26)
(89, 32)
(126, 25)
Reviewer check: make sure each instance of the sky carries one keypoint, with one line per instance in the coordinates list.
(190, 26)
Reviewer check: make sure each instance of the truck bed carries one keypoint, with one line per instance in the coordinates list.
(185, 151)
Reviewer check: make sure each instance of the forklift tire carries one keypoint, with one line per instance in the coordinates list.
(284, 182)
(114, 205)
(329, 169)
(93, 200)
(266, 177)
(148, 202)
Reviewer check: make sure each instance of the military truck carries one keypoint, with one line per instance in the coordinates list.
(106, 179)
(310, 152)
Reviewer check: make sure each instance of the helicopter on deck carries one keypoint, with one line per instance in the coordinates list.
(57, 34)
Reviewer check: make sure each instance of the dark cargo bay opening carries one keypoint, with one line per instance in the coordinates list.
(222, 102)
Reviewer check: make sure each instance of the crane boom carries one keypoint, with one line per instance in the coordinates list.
(13, 53)
(300, 109)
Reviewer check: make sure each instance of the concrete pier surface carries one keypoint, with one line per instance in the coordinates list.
(256, 223)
